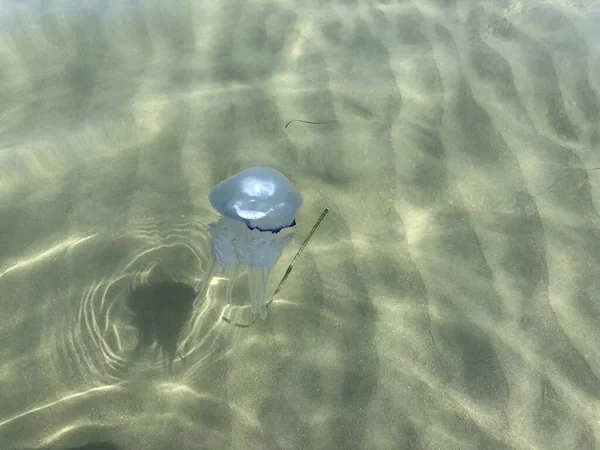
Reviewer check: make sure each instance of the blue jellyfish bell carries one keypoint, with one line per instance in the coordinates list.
(258, 210)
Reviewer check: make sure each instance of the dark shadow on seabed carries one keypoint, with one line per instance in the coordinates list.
(160, 310)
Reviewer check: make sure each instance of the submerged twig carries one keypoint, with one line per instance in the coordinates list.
(308, 122)
(560, 179)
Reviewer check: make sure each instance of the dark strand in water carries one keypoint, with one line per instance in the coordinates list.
(559, 180)
(306, 121)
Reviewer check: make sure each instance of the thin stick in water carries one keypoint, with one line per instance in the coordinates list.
(308, 122)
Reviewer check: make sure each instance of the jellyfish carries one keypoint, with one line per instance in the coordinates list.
(258, 208)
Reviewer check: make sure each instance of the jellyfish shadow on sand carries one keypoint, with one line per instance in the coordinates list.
(159, 312)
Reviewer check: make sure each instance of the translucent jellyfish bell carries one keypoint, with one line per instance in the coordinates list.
(258, 209)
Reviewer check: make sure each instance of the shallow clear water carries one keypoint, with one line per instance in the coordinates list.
(450, 299)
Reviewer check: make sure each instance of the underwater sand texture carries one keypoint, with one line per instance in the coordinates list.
(449, 300)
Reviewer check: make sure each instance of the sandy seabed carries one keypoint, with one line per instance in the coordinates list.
(449, 300)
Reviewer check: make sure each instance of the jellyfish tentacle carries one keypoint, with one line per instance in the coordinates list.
(233, 274)
(223, 237)
(202, 287)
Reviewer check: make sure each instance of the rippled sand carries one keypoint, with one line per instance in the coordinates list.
(450, 299)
